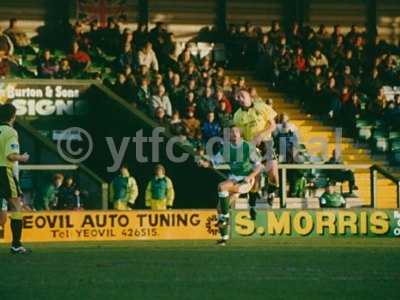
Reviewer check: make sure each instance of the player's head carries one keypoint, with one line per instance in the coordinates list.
(159, 170)
(58, 179)
(124, 171)
(69, 181)
(235, 135)
(8, 113)
(245, 99)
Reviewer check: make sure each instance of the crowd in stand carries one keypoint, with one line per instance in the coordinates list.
(338, 75)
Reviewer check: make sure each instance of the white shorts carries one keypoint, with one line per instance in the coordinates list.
(4, 206)
(244, 187)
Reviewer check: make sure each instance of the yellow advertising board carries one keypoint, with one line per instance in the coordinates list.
(64, 226)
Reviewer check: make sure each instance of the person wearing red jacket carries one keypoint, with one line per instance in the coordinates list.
(79, 60)
(221, 97)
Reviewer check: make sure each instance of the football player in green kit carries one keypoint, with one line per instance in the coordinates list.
(245, 164)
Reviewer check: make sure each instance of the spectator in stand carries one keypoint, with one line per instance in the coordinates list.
(191, 86)
(47, 67)
(210, 128)
(189, 101)
(144, 72)
(299, 61)
(120, 87)
(64, 71)
(110, 38)
(124, 190)
(192, 125)
(160, 194)
(143, 96)
(227, 87)
(93, 36)
(206, 104)
(185, 59)
(254, 95)
(223, 116)
(49, 198)
(176, 125)
(5, 66)
(219, 76)
(68, 195)
(378, 104)
(318, 59)
(147, 57)
(331, 199)
(341, 175)
(161, 117)
(347, 78)
(275, 33)
(156, 82)
(79, 60)
(78, 36)
(140, 36)
(220, 97)
(126, 58)
(20, 39)
(161, 99)
(351, 111)
(176, 91)
(265, 51)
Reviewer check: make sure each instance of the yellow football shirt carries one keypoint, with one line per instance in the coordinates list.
(8, 145)
(254, 120)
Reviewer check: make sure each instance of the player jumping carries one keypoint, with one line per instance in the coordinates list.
(9, 187)
(245, 166)
(256, 121)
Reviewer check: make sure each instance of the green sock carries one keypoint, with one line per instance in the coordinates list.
(223, 198)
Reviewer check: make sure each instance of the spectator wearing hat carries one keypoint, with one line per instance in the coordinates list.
(160, 194)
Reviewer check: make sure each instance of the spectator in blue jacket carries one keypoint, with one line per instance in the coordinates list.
(211, 128)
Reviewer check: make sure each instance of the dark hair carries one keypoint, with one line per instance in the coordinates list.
(7, 112)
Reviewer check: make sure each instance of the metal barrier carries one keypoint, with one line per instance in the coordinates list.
(375, 169)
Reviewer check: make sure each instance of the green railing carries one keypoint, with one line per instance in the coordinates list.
(375, 170)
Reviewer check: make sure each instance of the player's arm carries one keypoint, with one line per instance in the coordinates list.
(18, 157)
(269, 115)
(12, 150)
(217, 159)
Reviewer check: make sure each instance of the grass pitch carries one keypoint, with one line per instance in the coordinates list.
(264, 269)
